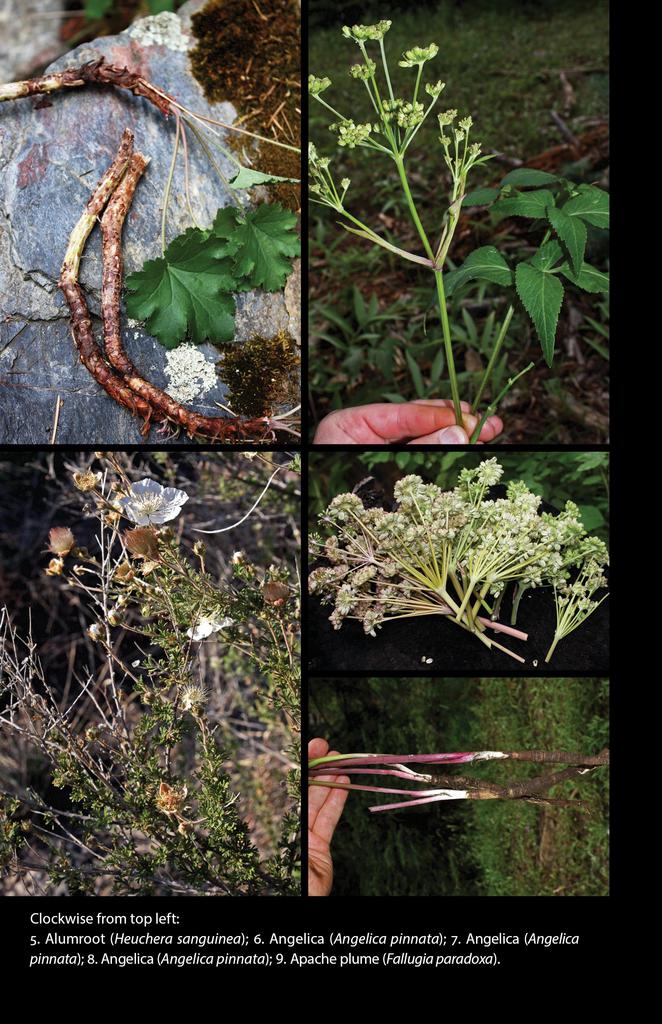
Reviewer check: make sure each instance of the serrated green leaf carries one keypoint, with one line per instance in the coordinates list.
(591, 204)
(247, 178)
(541, 294)
(263, 243)
(486, 264)
(589, 278)
(528, 176)
(572, 232)
(186, 292)
(480, 197)
(547, 255)
(524, 204)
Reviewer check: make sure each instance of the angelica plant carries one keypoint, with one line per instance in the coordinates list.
(454, 553)
(562, 208)
(142, 750)
(417, 768)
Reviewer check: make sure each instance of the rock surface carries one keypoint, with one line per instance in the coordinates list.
(51, 156)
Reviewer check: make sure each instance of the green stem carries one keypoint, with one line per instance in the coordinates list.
(388, 77)
(552, 648)
(412, 206)
(168, 187)
(493, 358)
(448, 346)
(441, 297)
(493, 405)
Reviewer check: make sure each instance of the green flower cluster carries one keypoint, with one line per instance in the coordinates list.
(406, 115)
(454, 553)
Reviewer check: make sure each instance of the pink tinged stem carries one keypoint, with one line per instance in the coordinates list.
(413, 794)
(361, 760)
(413, 776)
(444, 794)
(500, 627)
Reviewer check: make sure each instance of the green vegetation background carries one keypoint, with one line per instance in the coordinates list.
(490, 848)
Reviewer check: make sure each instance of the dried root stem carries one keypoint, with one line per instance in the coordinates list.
(126, 385)
(216, 427)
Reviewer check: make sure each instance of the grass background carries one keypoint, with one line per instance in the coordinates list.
(374, 331)
(470, 848)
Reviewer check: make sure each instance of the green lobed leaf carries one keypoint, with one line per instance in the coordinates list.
(248, 178)
(528, 176)
(591, 204)
(486, 264)
(572, 232)
(186, 292)
(480, 197)
(524, 204)
(262, 242)
(541, 294)
(589, 278)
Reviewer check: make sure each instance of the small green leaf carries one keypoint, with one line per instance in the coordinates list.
(263, 243)
(591, 204)
(187, 291)
(547, 255)
(572, 232)
(480, 197)
(159, 6)
(541, 294)
(247, 178)
(589, 278)
(524, 176)
(591, 517)
(524, 204)
(486, 264)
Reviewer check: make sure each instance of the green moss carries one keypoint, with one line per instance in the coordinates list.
(261, 375)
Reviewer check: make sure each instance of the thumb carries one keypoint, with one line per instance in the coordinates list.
(449, 435)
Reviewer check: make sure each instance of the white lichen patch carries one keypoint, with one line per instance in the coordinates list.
(160, 30)
(190, 375)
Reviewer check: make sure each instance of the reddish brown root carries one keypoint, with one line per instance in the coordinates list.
(214, 427)
(96, 71)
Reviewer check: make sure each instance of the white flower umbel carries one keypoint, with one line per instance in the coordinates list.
(205, 627)
(453, 553)
(149, 503)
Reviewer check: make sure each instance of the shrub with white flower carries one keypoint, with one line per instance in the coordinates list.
(454, 553)
(146, 749)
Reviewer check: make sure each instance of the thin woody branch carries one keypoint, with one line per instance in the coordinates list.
(216, 427)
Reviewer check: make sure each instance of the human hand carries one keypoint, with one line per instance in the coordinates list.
(425, 421)
(324, 809)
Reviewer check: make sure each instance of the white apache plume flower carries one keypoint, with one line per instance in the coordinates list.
(204, 627)
(148, 502)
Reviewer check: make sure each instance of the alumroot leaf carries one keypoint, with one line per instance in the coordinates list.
(187, 292)
(263, 243)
